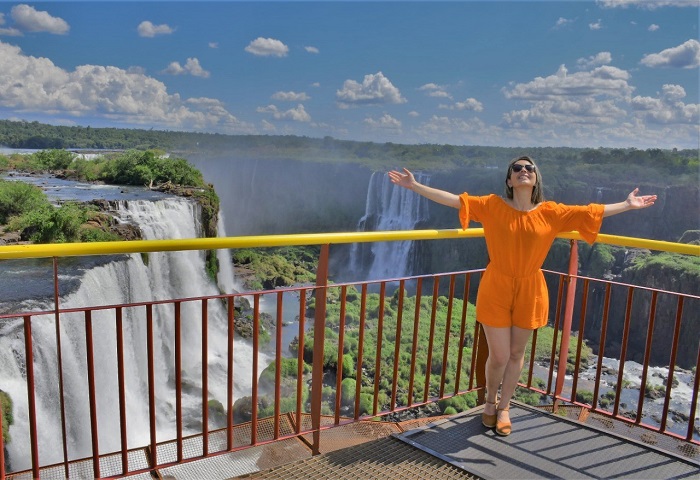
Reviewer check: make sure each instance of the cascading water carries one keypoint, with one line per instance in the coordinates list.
(128, 279)
(388, 207)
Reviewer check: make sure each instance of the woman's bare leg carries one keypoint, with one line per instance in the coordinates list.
(498, 340)
(505, 362)
(519, 338)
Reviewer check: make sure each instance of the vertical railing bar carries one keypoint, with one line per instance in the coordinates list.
(360, 351)
(448, 326)
(230, 310)
(647, 356)
(278, 365)
(121, 380)
(694, 400)
(431, 339)
(205, 377)
(178, 379)
(623, 350)
(579, 344)
(531, 362)
(416, 324)
(341, 347)
(90, 353)
(568, 315)
(300, 357)
(397, 346)
(151, 385)
(601, 345)
(31, 396)
(319, 340)
(555, 336)
(378, 357)
(254, 373)
(462, 333)
(59, 366)
(672, 362)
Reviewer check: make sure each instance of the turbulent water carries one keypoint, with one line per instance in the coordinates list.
(127, 279)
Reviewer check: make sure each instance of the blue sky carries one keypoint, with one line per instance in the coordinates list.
(610, 73)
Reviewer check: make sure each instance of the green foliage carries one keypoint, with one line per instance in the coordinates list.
(17, 198)
(48, 224)
(596, 165)
(7, 415)
(53, 159)
(278, 267)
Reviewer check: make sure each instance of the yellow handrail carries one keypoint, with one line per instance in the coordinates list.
(142, 246)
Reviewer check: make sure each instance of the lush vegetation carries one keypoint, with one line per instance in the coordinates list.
(430, 340)
(565, 163)
(278, 267)
(7, 416)
(25, 208)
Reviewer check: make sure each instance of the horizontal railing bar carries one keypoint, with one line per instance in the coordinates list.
(257, 241)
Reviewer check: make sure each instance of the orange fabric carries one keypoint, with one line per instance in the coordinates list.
(513, 290)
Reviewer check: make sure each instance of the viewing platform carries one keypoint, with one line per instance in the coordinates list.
(318, 429)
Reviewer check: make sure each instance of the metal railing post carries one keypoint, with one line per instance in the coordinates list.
(319, 338)
(566, 325)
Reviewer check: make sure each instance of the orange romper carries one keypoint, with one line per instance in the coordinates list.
(512, 289)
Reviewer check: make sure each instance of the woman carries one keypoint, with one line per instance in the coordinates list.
(513, 300)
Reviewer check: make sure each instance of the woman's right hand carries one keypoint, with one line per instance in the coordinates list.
(406, 179)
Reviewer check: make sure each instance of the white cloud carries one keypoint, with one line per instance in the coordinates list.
(601, 58)
(434, 90)
(469, 104)
(33, 84)
(290, 96)
(413, 113)
(668, 108)
(604, 80)
(213, 44)
(267, 47)
(192, 67)
(386, 121)
(646, 4)
(653, 27)
(563, 22)
(297, 114)
(596, 25)
(311, 49)
(584, 98)
(149, 30)
(686, 55)
(29, 19)
(375, 89)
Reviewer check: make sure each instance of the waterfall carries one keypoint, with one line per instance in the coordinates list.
(388, 207)
(127, 279)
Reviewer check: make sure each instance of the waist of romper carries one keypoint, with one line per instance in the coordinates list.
(494, 268)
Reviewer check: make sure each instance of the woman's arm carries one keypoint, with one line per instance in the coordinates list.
(407, 180)
(633, 202)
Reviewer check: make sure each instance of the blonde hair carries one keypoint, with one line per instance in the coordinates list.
(537, 195)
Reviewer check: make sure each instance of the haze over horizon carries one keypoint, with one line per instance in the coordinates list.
(576, 73)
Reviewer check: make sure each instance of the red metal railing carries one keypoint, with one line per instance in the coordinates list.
(423, 387)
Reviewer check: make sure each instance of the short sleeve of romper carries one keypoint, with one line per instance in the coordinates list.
(513, 290)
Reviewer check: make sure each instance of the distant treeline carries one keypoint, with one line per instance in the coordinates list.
(35, 135)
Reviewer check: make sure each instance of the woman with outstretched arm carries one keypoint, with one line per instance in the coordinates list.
(513, 299)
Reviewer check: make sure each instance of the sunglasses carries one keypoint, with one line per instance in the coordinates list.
(516, 167)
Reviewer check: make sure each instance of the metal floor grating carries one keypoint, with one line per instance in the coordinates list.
(545, 446)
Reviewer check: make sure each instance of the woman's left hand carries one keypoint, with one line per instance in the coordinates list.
(641, 201)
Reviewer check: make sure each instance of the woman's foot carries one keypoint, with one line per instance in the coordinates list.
(503, 426)
(488, 417)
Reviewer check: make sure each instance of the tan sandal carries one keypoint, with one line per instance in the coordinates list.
(503, 428)
(489, 421)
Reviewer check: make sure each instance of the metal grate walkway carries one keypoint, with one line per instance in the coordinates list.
(546, 446)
